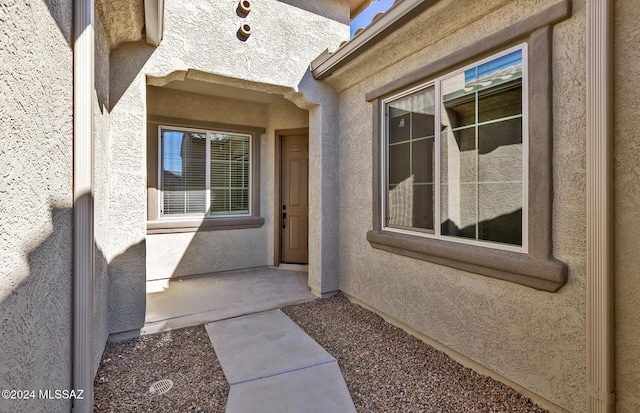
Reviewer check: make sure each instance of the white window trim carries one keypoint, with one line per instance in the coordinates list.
(207, 214)
(437, 148)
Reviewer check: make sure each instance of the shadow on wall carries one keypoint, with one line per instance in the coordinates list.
(36, 321)
(126, 63)
(506, 228)
(127, 294)
(338, 13)
(36, 317)
(62, 13)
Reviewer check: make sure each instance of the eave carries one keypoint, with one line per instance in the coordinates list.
(327, 63)
(357, 6)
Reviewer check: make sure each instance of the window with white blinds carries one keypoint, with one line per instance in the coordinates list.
(204, 173)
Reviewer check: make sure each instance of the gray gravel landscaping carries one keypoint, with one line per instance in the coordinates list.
(386, 369)
(185, 356)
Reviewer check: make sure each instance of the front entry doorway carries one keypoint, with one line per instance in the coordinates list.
(294, 197)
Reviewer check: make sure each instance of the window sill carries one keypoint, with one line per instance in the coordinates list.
(542, 273)
(171, 226)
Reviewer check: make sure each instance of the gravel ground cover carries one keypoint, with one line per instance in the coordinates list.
(185, 356)
(388, 370)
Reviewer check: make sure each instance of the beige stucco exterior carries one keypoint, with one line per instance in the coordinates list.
(101, 194)
(273, 59)
(627, 205)
(532, 338)
(36, 96)
(36, 138)
(182, 254)
(36, 258)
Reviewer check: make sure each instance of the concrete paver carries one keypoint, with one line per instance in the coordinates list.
(316, 389)
(273, 366)
(263, 345)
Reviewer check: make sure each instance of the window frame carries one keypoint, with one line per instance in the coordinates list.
(207, 205)
(436, 83)
(191, 223)
(537, 268)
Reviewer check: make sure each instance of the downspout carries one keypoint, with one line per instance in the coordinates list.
(600, 298)
(154, 21)
(83, 240)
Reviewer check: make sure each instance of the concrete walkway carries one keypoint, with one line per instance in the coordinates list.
(272, 365)
(194, 300)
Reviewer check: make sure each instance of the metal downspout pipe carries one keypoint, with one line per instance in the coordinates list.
(600, 292)
(83, 239)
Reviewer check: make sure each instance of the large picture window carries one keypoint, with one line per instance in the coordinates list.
(464, 180)
(476, 194)
(204, 173)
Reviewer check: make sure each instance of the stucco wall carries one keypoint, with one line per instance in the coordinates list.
(127, 200)
(275, 58)
(627, 204)
(35, 200)
(532, 338)
(101, 191)
(176, 255)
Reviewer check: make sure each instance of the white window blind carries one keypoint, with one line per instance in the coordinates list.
(229, 174)
(189, 157)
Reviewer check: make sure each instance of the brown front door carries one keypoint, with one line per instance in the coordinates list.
(295, 199)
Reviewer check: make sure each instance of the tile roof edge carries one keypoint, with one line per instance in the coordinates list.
(383, 25)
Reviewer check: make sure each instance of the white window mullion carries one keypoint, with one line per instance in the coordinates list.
(437, 153)
(207, 178)
(384, 175)
(411, 144)
(249, 191)
(229, 173)
(477, 143)
(525, 148)
(160, 175)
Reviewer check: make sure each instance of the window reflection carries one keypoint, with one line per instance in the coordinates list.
(410, 154)
(481, 164)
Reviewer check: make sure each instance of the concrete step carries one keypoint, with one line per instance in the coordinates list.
(195, 300)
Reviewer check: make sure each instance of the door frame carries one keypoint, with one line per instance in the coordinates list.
(277, 192)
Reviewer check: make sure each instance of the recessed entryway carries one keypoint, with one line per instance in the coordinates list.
(292, 197)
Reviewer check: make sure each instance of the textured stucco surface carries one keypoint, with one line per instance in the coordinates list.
(176, 255)
(35, 200)
(101, 192)
(123, 19)
(275, 58)
(627, 204)
(533, 338)
(127, 200)
(193, 106)
(337, 10)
